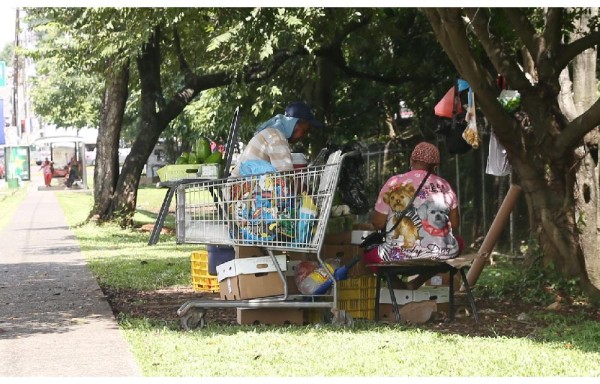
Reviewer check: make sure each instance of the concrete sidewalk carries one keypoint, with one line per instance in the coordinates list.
(54, 319)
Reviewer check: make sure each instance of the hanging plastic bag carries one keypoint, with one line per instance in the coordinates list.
(351, 185)
(470, 133)
(497, 164)
(510, 100)
(444, 107)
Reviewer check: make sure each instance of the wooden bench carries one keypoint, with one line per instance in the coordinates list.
(393, 269)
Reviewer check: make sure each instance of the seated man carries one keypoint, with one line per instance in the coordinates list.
(74, 173)
(429, 226)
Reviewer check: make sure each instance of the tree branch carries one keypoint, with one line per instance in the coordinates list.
(504, 63)
(570, 51)
(571, 136)
(524, 29)
(183, 64)
(553, 32)
(334, 54)
(194, 84)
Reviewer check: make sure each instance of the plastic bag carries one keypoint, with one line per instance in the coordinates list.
(470, 133)
(497, 164)
(351, 188)
(453, 125)
(309, 275)
(444, 107)
(510, 100)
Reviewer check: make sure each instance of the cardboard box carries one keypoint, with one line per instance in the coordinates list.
(403, 296)
(244, 252)
(289, 275)
(443, 279)
(346, 253)
(276, 316)
(301, 256)
(250, 278)
(412, 313)
(338, 238)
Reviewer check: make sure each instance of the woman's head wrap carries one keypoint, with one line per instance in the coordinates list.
(426, 153)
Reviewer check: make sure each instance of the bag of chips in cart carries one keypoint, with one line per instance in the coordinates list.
(307, 218)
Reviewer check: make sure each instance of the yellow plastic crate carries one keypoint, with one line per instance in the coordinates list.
(178, 172)
(356, 295)
(201, 280)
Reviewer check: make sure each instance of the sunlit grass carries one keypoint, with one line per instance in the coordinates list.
(367, 349)
(121, 259)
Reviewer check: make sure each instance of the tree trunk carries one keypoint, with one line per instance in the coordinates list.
(124, 201)
(542, 151)
(587, 187)
(106, 170)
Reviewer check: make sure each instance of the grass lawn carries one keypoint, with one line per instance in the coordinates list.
(122, 259)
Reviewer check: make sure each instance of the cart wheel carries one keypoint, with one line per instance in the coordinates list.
(342, 318)
(193, 319)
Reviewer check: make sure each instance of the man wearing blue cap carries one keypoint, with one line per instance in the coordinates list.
(272, 138)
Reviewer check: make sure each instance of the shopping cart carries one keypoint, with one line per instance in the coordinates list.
(281, 211)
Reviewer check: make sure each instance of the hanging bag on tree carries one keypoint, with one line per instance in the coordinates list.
(453, 126)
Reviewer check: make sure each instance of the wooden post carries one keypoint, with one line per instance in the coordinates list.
(510, 200)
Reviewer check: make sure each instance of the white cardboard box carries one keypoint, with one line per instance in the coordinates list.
(251, 278)
(250, 265)
(403, 296)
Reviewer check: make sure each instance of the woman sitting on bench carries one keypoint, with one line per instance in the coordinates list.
(428, 227)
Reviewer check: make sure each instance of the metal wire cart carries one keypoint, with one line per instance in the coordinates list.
(278, 212)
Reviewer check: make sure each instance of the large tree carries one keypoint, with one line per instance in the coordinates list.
(530, 48)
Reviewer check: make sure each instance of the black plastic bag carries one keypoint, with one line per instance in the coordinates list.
(351, 187)
(373, 239)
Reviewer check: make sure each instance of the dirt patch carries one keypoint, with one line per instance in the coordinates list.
(508, 318)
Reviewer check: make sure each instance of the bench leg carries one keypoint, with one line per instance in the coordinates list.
(463, 275)
(377, 295)
(388, 277)
(451, 308)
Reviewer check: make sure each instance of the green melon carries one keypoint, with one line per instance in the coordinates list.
(202, 149)
(193, 159)
(214, 158)
(183, 158)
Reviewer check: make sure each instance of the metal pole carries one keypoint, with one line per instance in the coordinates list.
(483, 199)
(458, 192)
(512, 223)
(16, 76)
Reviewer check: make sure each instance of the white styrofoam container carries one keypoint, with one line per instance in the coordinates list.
(250, 265)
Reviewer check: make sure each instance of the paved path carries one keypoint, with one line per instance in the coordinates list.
(54, 319)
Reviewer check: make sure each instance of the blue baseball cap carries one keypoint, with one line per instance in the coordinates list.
(301, 110)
